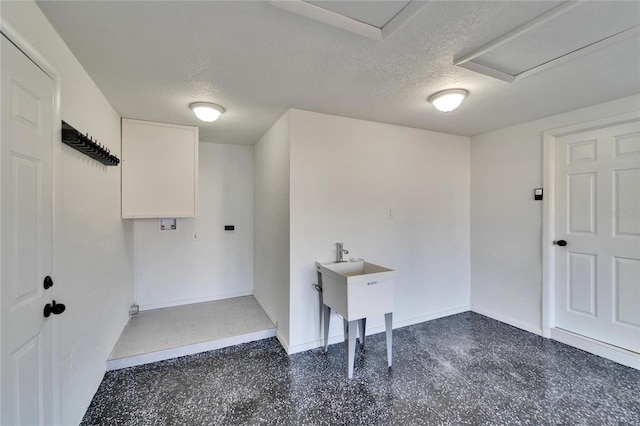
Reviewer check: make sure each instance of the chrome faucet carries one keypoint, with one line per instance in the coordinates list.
(340, 252)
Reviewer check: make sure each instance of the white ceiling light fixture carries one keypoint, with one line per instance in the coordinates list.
(207, 111)
(448, 100)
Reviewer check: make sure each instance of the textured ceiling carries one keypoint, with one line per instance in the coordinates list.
(151, 59)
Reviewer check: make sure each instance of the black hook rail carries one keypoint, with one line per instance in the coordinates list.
(87, 145)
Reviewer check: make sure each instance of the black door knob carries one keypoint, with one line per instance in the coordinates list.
(561, 243)
(48, 282)
(53, 308)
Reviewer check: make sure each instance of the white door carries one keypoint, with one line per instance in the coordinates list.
(26, 217)
(598, 216)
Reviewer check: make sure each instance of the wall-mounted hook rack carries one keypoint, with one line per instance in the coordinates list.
(87, 145)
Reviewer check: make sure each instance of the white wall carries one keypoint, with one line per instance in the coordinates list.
(506, 223)
(271, 224)
(174, 269)
(92, 268)
(345, 176)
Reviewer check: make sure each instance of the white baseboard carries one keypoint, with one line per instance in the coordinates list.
(118, 363)
(613, 353)
(429, 317)
(283, 342)
(317, 343)
(507, 320)
(379, 329)
(170, 303)
(274, 320)
(266, 310)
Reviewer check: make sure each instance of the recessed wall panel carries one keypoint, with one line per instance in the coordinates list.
(25, 107)
(581, 198)
(627, 291)
(627, 145)
(582, 283)
(582, 152)
(27, 371)
(25, 196)
(626, 213)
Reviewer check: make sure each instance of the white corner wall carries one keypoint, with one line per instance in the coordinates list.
(346, 175)
(506, 223)
(271, 224)
(171, 268)
(93, 247)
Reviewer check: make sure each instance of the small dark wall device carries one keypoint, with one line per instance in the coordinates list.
(537, 194)
(229, 227)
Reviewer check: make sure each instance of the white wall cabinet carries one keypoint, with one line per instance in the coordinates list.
(159, 170)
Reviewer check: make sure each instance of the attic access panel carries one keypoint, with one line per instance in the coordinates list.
(377, 13)
(565, 32)
(376, 20)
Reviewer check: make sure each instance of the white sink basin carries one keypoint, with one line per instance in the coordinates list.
(357, 289)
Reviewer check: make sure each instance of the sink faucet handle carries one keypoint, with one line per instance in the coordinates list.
(340, 251)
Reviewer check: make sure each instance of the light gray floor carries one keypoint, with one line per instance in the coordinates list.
(167, 333)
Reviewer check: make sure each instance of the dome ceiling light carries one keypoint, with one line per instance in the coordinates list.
(207, 111)
(448, 100)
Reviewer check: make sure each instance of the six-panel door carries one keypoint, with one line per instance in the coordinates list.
(26, 238)
(598, 215)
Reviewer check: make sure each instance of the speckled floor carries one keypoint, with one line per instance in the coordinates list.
(465, 369)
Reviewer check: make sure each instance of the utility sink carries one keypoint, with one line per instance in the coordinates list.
(357, 289)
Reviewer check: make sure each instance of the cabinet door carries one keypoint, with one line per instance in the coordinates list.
(159, 170)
